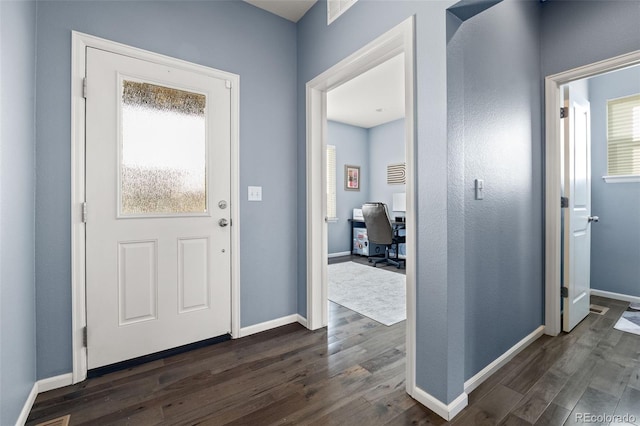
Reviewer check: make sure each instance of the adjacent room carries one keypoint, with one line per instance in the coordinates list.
(365, 165)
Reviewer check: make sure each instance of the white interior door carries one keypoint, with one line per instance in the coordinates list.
(577, 225)
(158, 187)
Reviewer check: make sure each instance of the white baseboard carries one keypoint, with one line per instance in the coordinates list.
(445, 411)
(268, 325)
(616, 296)
(39, 387)
(26, 409)
(302, 320)
(449, 411)
(56, 382)
(342, 253)
(486, 372)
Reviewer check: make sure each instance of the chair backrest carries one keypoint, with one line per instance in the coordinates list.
(376, 219)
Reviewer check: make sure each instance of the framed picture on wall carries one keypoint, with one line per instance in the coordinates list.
(351, 178)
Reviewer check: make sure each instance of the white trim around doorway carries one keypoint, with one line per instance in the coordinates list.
(79, 44)
(397, 40)
(553, 180)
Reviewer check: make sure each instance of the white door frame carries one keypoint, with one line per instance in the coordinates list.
(397, 40)
(79, 43)
(553, 147)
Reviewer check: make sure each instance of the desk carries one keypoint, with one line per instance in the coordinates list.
(356, 223)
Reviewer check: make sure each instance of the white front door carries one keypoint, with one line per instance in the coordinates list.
(157, 189)
(577, 225)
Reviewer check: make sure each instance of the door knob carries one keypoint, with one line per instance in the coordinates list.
(593, 219)
(223, 222)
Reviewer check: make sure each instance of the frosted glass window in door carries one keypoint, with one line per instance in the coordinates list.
(163, 150)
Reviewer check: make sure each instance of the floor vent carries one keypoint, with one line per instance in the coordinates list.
(60, 421)
(597, 309)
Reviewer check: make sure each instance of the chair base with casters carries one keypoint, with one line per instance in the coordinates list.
(397, 262)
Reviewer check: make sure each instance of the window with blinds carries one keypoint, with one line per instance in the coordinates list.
(623, 136)
(331, 182)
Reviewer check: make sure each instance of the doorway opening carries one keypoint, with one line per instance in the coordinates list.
(557, 272)
(398, 40)
(365, 196)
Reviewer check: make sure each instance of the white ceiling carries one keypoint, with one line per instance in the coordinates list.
(292, 10)
(373, 98)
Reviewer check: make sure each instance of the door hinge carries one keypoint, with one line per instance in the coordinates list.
(84, 212)
(84, 337)
(84, 87)
(564, 292)
(564, 202)
(564, 112)
(227, 84)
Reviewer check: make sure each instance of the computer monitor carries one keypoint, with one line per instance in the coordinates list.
(399, 202)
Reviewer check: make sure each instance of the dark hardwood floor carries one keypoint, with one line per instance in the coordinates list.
(353, 373)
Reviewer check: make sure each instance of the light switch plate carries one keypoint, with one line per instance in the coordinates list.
(479, 189)
(255, 193)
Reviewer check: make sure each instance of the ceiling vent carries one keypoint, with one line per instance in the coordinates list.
(335, 8)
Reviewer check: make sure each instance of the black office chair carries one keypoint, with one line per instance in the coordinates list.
(380, 231)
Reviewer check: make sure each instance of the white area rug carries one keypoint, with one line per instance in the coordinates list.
(629, 322)
(372, 292)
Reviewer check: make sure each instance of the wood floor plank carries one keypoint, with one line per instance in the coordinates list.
(513, 420)
(611, 378)
(571, 360)
(629, 405)
(572, 391)
(535, 368)
(273, 413)
(355, 411)
(417, 415)
(554, 415)
(634, 378)
(594, 402)
(491, 409)
(536, 401)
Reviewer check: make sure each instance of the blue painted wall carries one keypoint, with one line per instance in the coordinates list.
(386, 146)
(352, 148)
(615, 240)
(503, 232)
(17, 199)
(576, 33)
(229, 35)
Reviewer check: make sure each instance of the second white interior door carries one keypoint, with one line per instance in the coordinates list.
(577, 226)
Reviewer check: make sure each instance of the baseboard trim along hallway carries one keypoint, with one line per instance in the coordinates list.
(616, 296)
(268, 325)
(39, 387)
